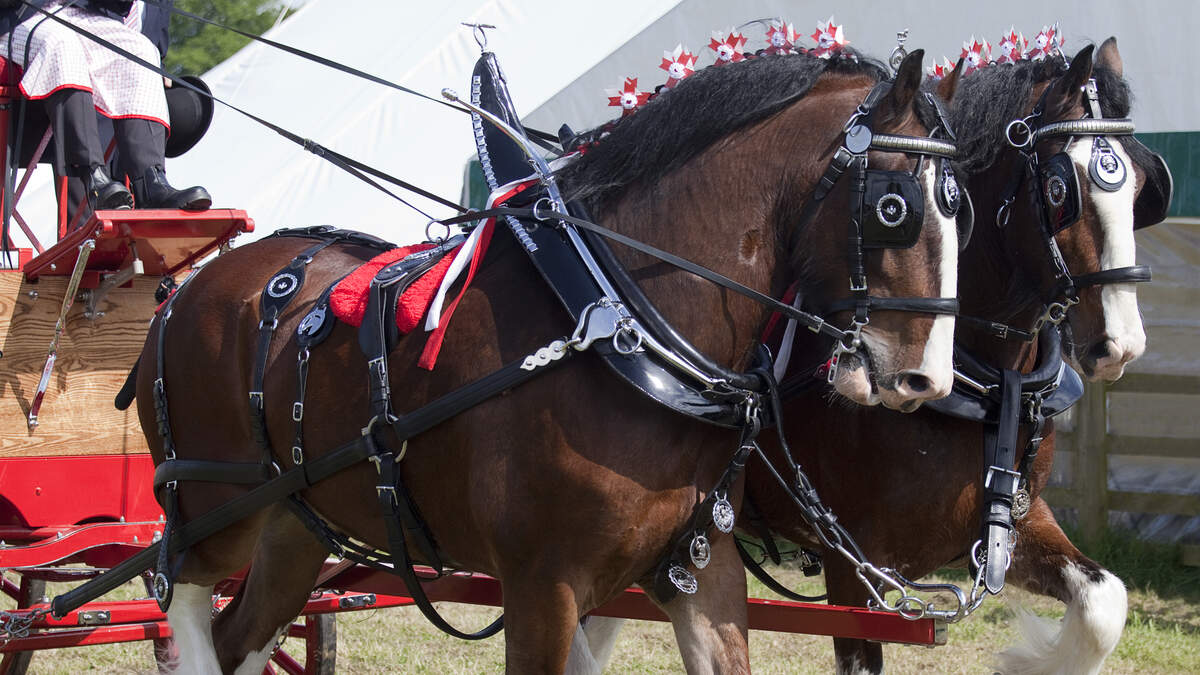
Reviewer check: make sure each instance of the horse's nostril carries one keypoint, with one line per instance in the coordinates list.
(1100, 350)
(918, 384)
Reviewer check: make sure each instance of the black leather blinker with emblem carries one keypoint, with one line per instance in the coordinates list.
(1060, 192)
(892, 211)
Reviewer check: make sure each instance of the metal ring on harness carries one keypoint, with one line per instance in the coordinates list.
(550, 205)
(621, 347)
(1022, 127)
(431, 238)
(1004, 213)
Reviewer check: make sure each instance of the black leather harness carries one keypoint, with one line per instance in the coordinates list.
(699, 386)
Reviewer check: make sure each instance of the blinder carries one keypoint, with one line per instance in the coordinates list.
(893, 209)
(1060, 192)
(954, 202)
(1154, 200)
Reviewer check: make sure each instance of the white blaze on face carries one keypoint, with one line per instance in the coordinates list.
(938, 364)
(1122, 321)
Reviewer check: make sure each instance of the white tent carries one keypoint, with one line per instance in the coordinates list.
(559, 58)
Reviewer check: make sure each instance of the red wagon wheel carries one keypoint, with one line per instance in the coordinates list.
(28, 592)
(319, 635)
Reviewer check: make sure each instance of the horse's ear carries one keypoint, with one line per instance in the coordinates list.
(949, 83)
(1108, 57)
(899, 99)
(1068, 90)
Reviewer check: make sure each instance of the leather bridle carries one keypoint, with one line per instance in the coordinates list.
(1024, 134)
(851, 156)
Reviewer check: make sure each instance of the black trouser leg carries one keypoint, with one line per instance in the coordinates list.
(76, 195)
(141, 144)
(76, 136)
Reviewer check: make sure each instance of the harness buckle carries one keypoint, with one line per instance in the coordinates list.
(297, 411)
(996, 474)
(390, 489)
(271, 326)
(858, 283)
(256, 401)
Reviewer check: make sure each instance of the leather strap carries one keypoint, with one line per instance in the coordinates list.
(238, 473)
(389, 503)
(890, 304)
(281, 289)
(813, 323)
(1000, 481)
(769, 581)
(1117, 275)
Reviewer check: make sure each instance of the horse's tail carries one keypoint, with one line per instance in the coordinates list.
(128, 390)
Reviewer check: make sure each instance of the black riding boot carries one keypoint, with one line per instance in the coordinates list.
(104, 192)
(142, 146)
(152, 191)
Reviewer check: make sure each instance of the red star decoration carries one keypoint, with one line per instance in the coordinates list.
(734, 45)
(628, 98)
(679, 65)
(781, 37)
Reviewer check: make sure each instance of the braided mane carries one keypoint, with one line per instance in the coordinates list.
(989, 98)
(680, 123)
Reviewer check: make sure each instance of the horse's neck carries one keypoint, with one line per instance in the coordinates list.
(995, 280)
(718, 215)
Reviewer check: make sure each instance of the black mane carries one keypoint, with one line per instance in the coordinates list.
(989, 98)
(682, 122)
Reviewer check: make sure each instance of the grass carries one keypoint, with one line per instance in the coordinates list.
(1162, 633)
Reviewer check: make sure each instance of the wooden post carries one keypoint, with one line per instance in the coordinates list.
(1091, 461)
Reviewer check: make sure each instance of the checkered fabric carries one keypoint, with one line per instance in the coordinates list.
(59, 57)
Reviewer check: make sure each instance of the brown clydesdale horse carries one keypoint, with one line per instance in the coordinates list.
(908, 487)
(572, 487)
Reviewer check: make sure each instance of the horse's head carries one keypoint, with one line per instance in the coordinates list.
(905, 206)
(796, 171)
(1097, 186)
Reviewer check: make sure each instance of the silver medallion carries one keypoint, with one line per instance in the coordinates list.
(283, 284)
(1106, 168)
(950, 191)
(700, 551)
(1056, 191)
(722, 514)
(682, 579)
(891, 209)
(1021, 504)
(312, 322)
(858, 139)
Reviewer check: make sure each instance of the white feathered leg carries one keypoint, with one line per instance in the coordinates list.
(1086, 636)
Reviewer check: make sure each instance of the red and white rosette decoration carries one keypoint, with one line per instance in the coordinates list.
(781, 37)
(679, 64)
(1011, 47)
(940, 70)
(1048, 42)
(628, 98)
(730, 46)
(829, 38)
(976, 55)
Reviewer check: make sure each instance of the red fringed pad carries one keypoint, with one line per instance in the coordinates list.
(349, 298)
